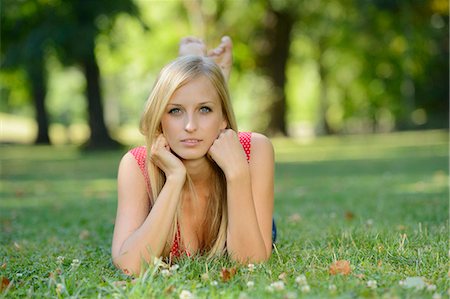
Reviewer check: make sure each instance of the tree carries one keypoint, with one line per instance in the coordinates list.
(25, 26)
(277, 28)
(70, 29)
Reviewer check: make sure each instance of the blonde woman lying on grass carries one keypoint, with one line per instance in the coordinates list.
(199, 186)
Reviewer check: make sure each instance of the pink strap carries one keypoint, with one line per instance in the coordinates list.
(246, 141)
(140, 154)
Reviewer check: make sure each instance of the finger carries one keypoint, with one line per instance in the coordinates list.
(226, 41)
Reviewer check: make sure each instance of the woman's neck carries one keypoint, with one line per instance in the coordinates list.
(199, 171)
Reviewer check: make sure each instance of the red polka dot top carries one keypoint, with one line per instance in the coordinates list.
(140, 154)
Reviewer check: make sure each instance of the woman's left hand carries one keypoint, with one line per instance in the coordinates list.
(228, 153)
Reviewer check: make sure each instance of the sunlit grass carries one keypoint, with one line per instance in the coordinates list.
(379, 202)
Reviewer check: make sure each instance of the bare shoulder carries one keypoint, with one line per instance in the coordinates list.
(130, 176)
(260, 143)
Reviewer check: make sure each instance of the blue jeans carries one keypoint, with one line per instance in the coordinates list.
(274, 231)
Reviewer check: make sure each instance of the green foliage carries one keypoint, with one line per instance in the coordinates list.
(378, 64)
(380, 202)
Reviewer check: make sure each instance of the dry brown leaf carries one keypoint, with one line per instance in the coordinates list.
(349, 215)
(340, 267)
(169, 290)
(401, 227)
(84, 234)
(227, 273)
(5, 282)
(294, 218)
(3, 266)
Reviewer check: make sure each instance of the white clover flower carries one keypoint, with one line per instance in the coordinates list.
(305, 288)
(301, 280)
(243, 295)
(290, 295)
(437, 296)
(332, 288)
(60, 288)
(251, 267)
(277, 285)
(372, 284)
(19, 274)
(60, 259)
(75, 263)
(414, 283)
(214, 283)
(165, 273)
(174, 267)
(269, 288)
(250, 284)
(431, 287)
(157, 261)
(185, 294)
(401, 283)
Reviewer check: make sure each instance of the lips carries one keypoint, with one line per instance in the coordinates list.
(191, 141)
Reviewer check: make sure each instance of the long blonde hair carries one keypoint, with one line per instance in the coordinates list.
(173, 76)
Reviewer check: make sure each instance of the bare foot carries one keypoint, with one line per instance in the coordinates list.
(223, 56)
(191, 46)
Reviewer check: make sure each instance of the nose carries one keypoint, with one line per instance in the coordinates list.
(190, 124)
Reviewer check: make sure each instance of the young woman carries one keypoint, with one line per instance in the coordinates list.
(199, 186)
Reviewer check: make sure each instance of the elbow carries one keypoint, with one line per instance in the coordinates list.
(251, 259)
(128, 267)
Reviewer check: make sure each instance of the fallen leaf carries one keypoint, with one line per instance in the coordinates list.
(349, 215)
(169, 289)
(340, 267)
(84, 234)
(227, 273)
(380, 263)
(360, 276)
(5, 282)
(401, 227)
(3, 266)
(294, 218)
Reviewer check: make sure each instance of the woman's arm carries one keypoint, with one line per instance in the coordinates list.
(141, 231)
(250, 195)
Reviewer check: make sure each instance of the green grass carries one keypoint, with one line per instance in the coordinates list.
(379, 202)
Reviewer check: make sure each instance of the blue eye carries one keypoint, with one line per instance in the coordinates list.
(205, 109)
(174, 111)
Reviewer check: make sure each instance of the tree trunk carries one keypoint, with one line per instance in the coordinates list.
(323, 127)
(99, 134)
(36, 76)
(278, 34)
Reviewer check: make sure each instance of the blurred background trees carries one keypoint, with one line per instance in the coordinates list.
(83, 69)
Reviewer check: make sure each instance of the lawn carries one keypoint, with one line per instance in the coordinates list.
(378, 204)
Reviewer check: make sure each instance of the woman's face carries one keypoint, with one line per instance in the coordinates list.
(193, 119)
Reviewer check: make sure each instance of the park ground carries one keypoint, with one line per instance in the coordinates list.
(375, 204)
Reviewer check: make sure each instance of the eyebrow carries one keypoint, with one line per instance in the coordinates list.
(199, 104)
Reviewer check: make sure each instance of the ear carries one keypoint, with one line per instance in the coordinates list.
(224, 124)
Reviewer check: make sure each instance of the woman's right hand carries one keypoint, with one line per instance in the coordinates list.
(161, 155)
